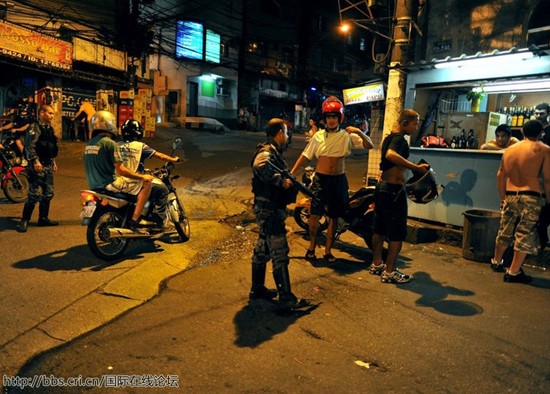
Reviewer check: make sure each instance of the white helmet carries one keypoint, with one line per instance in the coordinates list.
(104, 121)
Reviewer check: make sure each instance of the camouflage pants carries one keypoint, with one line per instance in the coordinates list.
(518, 222)
(272, 243)
(40, 184)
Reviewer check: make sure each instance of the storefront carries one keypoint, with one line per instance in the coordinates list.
(61, 73)
(512, 83)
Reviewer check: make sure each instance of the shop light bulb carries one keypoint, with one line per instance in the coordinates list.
(517, 86)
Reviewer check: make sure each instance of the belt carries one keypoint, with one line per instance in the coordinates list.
(524, 193)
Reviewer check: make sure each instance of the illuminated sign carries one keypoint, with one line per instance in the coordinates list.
(364, 94)
(23, 44)
(212, 51)
(189, 40)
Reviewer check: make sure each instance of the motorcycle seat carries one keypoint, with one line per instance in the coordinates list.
(123, 196)
(362, 192)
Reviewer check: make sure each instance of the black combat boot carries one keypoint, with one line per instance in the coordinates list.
(258, 290)
(27, 213)
(287, 300)
(43, 211)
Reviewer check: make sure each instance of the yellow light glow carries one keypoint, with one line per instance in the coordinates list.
(345, 27)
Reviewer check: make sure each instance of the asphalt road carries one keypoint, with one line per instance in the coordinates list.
(455, 328)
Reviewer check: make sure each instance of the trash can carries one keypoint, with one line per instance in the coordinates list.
(479, 233)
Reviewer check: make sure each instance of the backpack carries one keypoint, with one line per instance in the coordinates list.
(433, 141)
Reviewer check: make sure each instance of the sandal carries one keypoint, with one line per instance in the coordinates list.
(329, 258)
(310, 255)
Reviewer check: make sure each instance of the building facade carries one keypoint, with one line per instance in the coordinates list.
(50, 53)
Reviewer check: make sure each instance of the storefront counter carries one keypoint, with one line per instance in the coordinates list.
(469, 178)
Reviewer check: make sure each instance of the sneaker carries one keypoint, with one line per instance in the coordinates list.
(377, 269)
(395, 277)
(497, 267)
(520, 277)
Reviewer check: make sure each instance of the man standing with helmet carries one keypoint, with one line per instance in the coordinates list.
(330, 185)
(134, 153)
(41, 150)
(272, 193)
(390, 198)
(105, 170)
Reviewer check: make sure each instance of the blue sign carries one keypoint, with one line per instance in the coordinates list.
(189, 40)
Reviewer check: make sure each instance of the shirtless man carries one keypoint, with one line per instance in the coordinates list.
(503, 139)
(390, 199)
(330, 184)
(523, 180)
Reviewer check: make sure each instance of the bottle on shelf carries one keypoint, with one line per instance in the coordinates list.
(521, 116)
(514, 117)
(454, 142)
(509, 116)
(471, 140)
(462, 140)
(527, 114)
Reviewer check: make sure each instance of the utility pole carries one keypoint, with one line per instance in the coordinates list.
(402, 47)
(395, 96)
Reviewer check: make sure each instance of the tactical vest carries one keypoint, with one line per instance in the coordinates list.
(268, 194)
(46, 144)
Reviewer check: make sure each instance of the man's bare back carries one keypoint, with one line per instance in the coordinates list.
(523, 164)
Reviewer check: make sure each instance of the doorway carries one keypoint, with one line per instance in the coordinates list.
(192, 99)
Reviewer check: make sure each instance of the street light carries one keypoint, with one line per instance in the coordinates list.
(346, 25)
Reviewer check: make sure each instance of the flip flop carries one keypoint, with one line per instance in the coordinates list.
(310, 255)
(329, 258)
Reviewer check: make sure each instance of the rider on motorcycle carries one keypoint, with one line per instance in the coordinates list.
(104, 167)
(134, 153)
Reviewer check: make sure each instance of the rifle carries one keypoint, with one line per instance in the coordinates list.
(297, 184)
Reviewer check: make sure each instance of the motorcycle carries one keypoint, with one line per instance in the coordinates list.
(13, 177)
(107, 214)
(358, 218)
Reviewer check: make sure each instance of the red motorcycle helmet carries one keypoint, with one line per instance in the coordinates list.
(333, 106)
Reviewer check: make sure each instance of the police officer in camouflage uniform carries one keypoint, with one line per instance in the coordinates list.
(272, 193)
(41, 149)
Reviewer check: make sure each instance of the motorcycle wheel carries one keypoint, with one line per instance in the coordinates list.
(99, 244)
(17, 191)
(182, 223)
(301, 216)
